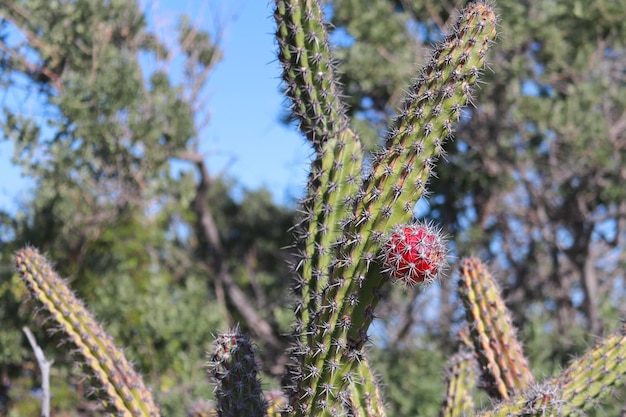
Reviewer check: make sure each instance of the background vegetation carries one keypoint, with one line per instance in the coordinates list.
(167, 257)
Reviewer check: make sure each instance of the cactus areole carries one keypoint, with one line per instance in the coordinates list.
(415, 253)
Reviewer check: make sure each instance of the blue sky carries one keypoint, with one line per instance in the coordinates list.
(244, 139)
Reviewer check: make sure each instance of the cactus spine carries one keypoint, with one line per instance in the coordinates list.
(123, 388)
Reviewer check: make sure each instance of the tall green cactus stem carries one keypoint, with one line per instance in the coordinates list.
(335, 173)
(334, 178)
(461, 379)
(308, 69)
(504, 367)
(308, 73)
(233, 368)
(581, 387)
(589, 379)
(386, 197)
(123, 388)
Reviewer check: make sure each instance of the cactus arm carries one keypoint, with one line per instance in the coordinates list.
(308, 69)
(504, 367)
(334, 175)
(461, 379)
(233, 368)
(580, 387)
(589, 379)
(122, 386)
(426, 120)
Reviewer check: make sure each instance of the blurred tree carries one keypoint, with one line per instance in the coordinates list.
(162, 253)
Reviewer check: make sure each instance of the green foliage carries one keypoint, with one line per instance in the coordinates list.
(26, 393)
(411, 379)
(106, 200)
(163, 332)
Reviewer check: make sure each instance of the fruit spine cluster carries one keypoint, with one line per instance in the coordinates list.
(354, 236)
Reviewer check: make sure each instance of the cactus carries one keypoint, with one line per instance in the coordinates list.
(308, 70)
(355, 234)
(504, 367)
(344, 300)
(579, 388)
(233, 368)
(460, 382)
(122, 388)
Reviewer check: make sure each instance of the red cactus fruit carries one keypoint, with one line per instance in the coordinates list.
(415, 253)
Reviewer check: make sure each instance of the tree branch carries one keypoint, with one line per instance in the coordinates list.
(44, 365)
(209, 234)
